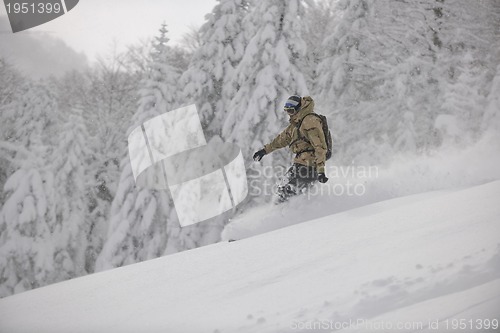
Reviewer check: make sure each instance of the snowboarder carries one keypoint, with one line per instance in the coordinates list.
(306, 139)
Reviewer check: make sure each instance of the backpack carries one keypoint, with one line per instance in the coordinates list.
(326, 132)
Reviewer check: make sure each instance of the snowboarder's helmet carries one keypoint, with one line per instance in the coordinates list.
(292, 105)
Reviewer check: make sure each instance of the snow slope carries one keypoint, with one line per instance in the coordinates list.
(409, 261)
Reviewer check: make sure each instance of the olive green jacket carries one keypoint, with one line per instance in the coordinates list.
(310, 152)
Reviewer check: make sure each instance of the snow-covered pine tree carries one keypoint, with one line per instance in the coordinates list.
(72, 231)
(320, 19)
(27, 217)
(349, 81)
(267, 74)
(26, 248)
(343, 53)
(209, 81)
(112, 92)
(381, 65)
(410, 87)
(11, 90)
(110, 100)
(462, 106)
(34, 117)
(210, 84)
(389, 58)
(11, 84)
(107, 97)
(142, 220)
(469, 34)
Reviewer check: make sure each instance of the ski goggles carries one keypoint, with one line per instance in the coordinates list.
(291, 106)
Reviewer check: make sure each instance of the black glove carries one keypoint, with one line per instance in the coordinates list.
(258, 155)
(322, 178)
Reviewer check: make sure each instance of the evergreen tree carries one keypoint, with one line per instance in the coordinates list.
(337, 76)
(267, 74)
(27, 217)
(107, 98)
(27, 252)
(10, 89)
(343, 82)
(270, 71)
(457, 122)
(73, 229)
(387, 60)
(12, 86)
(139, 218)
(467, 62)
(210, 81)
(320, 19)
(34, 117)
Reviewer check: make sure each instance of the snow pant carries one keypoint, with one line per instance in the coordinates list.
(297, 179)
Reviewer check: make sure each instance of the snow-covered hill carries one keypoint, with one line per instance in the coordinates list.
(397, 265)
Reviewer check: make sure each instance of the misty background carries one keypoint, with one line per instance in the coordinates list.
(38, 55)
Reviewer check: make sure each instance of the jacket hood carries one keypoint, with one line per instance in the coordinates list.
(306, 107)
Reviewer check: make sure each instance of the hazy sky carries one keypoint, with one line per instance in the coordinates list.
(93, 25)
